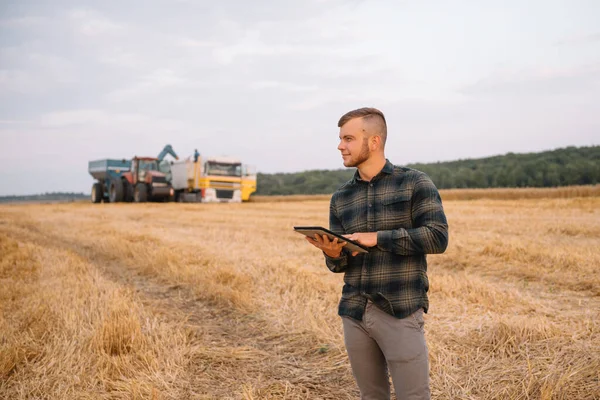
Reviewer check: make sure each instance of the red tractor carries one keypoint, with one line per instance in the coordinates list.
(144, 182)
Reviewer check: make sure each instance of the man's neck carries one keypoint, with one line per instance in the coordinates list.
(370, 168)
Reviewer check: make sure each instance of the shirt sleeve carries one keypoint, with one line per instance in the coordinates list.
(430, 232)
(338, 264)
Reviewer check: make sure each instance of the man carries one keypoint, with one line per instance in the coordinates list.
(396, 212)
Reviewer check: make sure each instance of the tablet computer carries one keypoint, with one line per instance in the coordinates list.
(350, 244)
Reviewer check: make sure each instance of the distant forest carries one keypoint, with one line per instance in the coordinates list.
(46, 197)
(561, 167)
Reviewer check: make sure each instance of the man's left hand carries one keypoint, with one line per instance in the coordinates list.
(367, 239)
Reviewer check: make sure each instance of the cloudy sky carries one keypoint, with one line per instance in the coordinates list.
(266, 81)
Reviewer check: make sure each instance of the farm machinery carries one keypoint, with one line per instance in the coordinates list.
(194, 179)
(138, 179)
(211, 179)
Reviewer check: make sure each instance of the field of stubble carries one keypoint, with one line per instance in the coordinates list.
(202, 301)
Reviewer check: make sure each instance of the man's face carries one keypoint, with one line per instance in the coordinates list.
(353, 143)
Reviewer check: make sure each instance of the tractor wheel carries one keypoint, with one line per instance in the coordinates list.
(128, 191)
(140, 194)
(115, 192)
(97, 192)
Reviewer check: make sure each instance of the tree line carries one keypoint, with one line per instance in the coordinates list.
(560, 167)
(49, 197)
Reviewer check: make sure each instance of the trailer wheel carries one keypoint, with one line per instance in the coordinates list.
(140, 194)
(127, 191)
(97, 192)
(105, 198)
(115, 192)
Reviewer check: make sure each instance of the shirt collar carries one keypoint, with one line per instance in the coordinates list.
(388, 169)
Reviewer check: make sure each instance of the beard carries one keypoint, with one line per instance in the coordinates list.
(362, 156)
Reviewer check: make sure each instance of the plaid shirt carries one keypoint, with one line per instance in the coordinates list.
(405, 209)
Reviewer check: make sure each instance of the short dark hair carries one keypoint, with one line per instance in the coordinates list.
(370, 115)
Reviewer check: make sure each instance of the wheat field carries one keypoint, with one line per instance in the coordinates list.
(225, 301)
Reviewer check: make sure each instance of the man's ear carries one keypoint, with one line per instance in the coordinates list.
(375, 142)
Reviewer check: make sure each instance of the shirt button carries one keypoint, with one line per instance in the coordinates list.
(370, 205)
(370, 184)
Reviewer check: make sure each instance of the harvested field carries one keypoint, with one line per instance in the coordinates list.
(225, 301)
(565, 192)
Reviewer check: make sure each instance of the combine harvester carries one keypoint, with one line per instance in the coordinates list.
(214, 179)
(138, 179)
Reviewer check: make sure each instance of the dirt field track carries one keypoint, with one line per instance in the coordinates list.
(202, 301)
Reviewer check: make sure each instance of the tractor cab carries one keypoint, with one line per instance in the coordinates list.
(143, 169)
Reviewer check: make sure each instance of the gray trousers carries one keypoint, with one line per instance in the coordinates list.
(380, 342)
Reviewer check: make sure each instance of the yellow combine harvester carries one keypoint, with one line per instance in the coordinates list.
(211, 179)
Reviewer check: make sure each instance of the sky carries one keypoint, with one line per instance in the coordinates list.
(266, 81)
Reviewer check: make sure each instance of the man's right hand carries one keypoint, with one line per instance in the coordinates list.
(333, 248)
